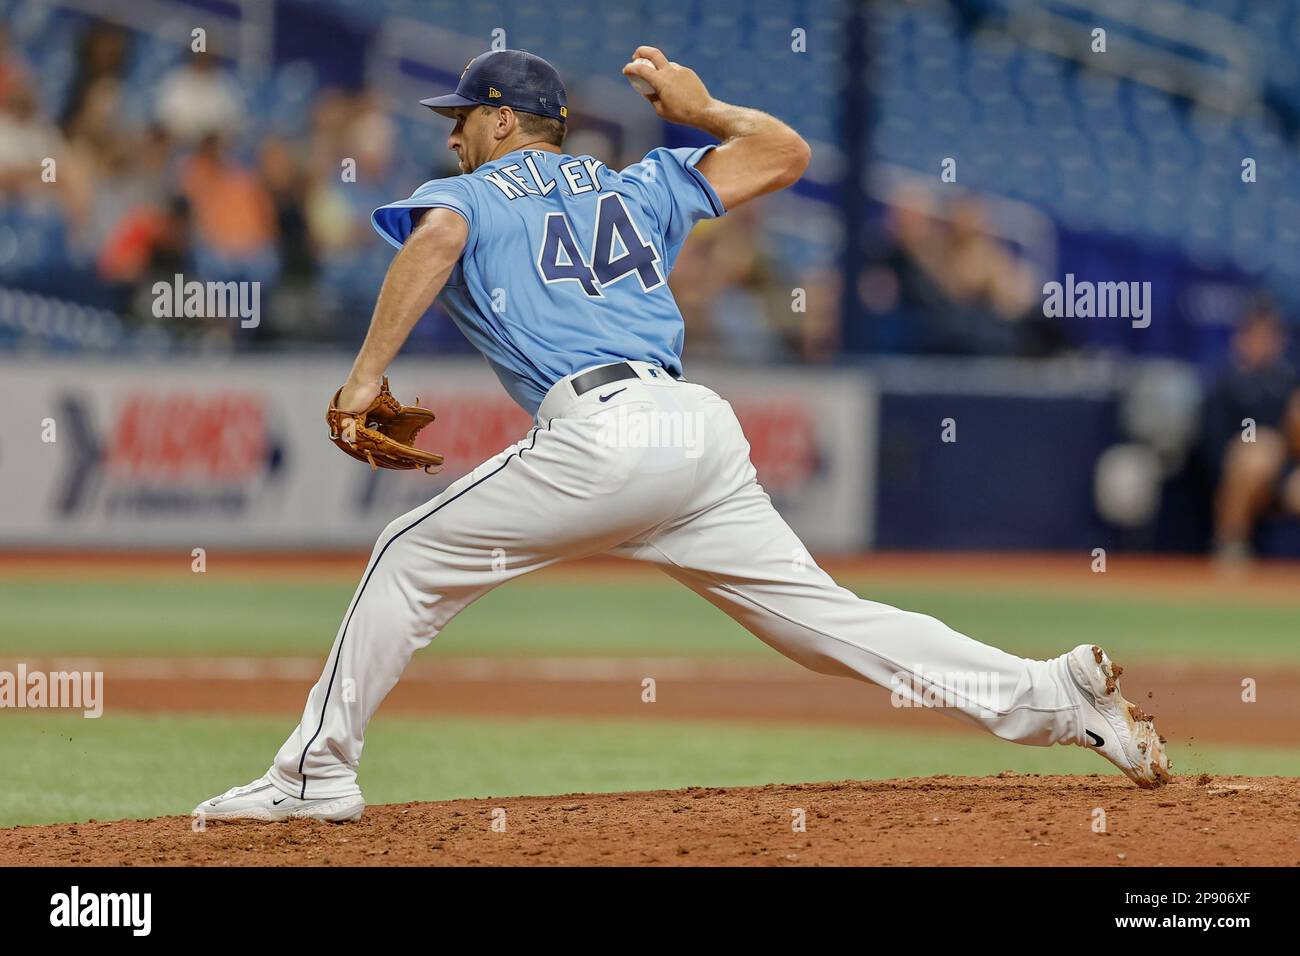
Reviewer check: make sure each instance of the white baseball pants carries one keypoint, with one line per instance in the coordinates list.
(657, 470)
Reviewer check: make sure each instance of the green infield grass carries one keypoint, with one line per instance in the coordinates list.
(65, 768)
(608, 615)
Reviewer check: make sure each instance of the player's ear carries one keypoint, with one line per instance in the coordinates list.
(506, 122)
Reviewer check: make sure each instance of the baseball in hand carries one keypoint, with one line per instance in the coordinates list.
(638, 84)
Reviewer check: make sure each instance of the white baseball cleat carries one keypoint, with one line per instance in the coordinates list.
(1118, 730)
(262, 800)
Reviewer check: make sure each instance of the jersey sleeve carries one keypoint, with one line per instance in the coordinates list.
(396, 220)
(675, 190)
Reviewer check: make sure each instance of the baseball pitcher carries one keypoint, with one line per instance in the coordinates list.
(555, 267)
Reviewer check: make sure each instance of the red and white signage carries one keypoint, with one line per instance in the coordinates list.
(234, 453)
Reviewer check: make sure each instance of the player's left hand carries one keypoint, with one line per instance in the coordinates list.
(356, 396)
(382, 431)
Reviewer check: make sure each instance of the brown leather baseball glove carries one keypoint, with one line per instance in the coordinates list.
(383, 434)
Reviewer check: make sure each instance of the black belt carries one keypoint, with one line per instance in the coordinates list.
(604, 375)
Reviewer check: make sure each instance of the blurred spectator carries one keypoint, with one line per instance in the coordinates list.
(1253, 476)
(952, 287)
(129, 174)
(295, 305)
(353, 145)
(130, 209)
(165, 250)
(729, 292)
(101, 56)
(287, 186)
(14, 69)
(980, 270)
(901, 283)
(170, 254)
(97, 123)
(983, 275)
(199, 99)
(234, 217)
(818, 334)
(26, 139)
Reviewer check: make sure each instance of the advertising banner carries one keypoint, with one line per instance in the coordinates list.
(233, 453)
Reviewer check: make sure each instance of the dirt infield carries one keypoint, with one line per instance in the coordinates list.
(1193, 705)
(1007, 820)
(1130, 575)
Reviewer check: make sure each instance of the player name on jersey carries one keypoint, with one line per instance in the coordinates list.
(581, 175)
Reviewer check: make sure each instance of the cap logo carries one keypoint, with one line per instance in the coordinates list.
(564, 112)
(493, 93)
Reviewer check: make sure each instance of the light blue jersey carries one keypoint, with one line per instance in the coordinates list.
(567, 261)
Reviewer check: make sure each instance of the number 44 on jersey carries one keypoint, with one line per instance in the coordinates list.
(617, 250)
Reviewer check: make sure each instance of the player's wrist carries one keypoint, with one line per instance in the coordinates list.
(712, 117)
(362, 378)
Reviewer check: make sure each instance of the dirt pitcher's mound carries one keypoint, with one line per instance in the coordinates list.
(1010, 819)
